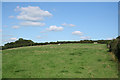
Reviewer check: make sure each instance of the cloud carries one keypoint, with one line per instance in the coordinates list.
(77, 33)
(109, 38)
(10, 40)
(11, 16)
(69, 25)
(32, 13)
(30, 23)
(85, 37)
(13, 39)
(55, 28)
(15, 27)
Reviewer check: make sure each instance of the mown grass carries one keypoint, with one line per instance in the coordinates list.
(59, 61)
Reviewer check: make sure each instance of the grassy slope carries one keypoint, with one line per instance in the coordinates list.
(59, 61)
(0, 64)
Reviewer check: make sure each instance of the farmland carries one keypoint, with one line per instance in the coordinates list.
(59, 61)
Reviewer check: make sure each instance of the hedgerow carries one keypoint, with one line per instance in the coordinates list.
(22, 42)
(114, 47)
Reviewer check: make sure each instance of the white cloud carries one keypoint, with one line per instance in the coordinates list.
(109, 38)
(85, 37)
(13, 39)
(11, 16)
(32, 13)
(10, 40)
(30, 23)
(15, 27)
(55, 28)
(77, 33)
(70, 25)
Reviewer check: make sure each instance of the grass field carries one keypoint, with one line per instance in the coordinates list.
(59, 61)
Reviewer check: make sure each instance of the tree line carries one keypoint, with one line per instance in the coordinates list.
(22, 42)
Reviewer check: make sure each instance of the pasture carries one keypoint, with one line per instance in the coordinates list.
(59, 61)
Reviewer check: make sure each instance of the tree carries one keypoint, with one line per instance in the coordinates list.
(19, 43)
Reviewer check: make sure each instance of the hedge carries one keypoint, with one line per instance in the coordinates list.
(22, 42)
(114, 46)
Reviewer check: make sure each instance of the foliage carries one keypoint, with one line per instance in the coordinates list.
(19, 43)
(114, 46)
(22, 42)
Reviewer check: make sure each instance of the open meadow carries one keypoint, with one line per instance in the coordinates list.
(59, 61)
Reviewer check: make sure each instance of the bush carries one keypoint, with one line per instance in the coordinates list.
(114, 46)
(19, 43)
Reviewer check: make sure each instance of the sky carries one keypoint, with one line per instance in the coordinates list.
(59, 21)
(60, 1)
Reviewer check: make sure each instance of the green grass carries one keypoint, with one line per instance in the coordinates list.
(59, 61)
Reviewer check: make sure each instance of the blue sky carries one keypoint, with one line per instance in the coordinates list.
(59, 21)
(60, 1)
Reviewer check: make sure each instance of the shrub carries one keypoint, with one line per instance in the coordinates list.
(114, 46)
(19, 43)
